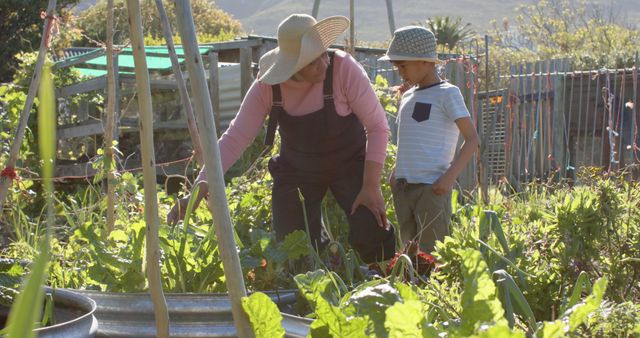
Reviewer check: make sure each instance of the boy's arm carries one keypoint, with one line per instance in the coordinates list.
(445, 183)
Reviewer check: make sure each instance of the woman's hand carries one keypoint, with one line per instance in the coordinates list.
(371, 197)
(178, 211)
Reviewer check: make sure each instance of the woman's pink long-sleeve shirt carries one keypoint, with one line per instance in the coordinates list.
(352, 92)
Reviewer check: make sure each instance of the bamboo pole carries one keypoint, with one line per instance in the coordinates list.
(352, 28)
(6, 181)
(392, 21)
(149, 170)
(110, 122)
(215, 180)
(316, 6)
(484, 136)
(182, 86)
(214, 86)
(245, 71)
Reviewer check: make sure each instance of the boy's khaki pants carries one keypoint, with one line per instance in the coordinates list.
(422, 215)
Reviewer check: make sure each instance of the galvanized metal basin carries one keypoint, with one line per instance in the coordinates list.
(192, 315)
(73, 314)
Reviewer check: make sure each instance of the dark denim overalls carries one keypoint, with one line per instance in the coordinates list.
(321, 151)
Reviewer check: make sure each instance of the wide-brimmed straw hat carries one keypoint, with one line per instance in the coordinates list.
(301, 39)
(412, 43)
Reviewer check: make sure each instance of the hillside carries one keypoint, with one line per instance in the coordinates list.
(261, 17)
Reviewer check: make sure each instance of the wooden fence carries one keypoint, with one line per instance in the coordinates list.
(540, 120)
(548, 121)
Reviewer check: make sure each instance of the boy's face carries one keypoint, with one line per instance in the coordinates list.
(413, 72)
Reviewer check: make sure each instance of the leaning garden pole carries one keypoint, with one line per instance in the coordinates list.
(209, 141)
(110, 123)
(392, 21)
(182, 86)
(8, 173)
(148, 169)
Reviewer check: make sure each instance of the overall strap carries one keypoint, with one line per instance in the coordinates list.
(276, 108)
(328, 80)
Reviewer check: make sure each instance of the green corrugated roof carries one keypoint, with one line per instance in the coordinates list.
(89, 72)
(126, 61)
(159, 60)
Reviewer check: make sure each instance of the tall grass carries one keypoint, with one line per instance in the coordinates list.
(28, 305)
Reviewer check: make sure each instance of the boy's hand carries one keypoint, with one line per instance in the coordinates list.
(443, 185)
(392, 179)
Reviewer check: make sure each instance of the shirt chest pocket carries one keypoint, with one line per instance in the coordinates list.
(421, 111)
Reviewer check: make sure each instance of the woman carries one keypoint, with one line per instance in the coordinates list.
(333, 136)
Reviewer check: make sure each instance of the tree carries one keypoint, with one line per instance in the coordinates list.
(209, 19)
(593, 36)
(21, 27)
(449, 32)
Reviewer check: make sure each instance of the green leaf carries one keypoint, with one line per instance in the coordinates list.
(264, 315)
(514, 298)
(492, 223)
(296, 245)
(407, 292)
(274, 254)
(118, 236)
(336, 321)
(371, 302)
(404, 319)
(580, 313)
(480, 303)
(582, 284)
(454, 200)
(500, 330)
(315, 285)
(554, 329)
(26, 309)
(47, 124)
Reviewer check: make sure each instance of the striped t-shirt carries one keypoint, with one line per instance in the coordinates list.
(427, 132)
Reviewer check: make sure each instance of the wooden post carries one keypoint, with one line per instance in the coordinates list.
(182, 86)
(316, 6)
(352, 28)
(484, 137)
(218, 199)
(392, 21)
(246, 72)
(149, 170)
(214, 87)
(6, 181)
(558, 123)
(109, 124)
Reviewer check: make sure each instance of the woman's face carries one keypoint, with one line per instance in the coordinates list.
(314, 72)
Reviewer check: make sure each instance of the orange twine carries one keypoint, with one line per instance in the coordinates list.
(49, 27)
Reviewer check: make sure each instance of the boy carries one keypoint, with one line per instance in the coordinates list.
(432, 115)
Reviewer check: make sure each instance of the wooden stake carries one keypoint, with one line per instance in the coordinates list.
(149, 170)
(215, 180)
(6, 181)
(352, 28)
(110, 123)
(182, 86)
(316, 6)
(392, 21)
